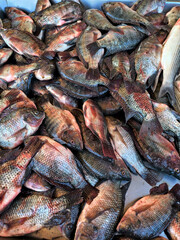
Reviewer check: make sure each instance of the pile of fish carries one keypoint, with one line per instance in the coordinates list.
(88, 98)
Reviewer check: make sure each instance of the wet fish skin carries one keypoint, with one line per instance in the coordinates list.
(177, 94)
(59, 14)
(6, 23)
(39, 87)
(29, 214)
(119, 13)
(13, 173)
(62, 126)
(144, 219)
(157, 19)
(95, 121)
(98, 220)
(46, 72)
(5, 54)
(41, 5)
(173, 15)
(51, 32)
(170, 62)
(20, 20)
(17, 124)
(144, 7)
(173, 230)
(7, 155)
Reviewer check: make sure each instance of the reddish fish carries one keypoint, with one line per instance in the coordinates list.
(5, 54)
(41, 5)
(144, 7)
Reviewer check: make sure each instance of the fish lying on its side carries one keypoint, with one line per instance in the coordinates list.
(144, 7)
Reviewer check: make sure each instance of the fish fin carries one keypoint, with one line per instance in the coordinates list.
(154, 86)
(48, 54)
(92, 74)
(108, 150)
(176, 191)
(150, 127)
(74, 197)
(63, 56)
(165, 89)
(93, 48)
(161, 189)
(151, 177)
(89, 193)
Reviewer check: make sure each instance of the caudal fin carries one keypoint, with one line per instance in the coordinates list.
(108, 150)
(89, 193)
(92, 74)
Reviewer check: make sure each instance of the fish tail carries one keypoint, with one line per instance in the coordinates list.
(169, 90)
(89, 193)
(176, 191)
(150, 127)
(151, 177)
(108, 150)
(93, 48)
(92, 74)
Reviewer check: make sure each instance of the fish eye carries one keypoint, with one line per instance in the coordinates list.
(177, 170)
(36, 113)
(122, 172)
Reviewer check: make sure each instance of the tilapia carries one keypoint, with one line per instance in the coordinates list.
(16, 125)
(157, 19)
(59, 14)
(119, 13)
(173, 15)
(39, 87)
(51, 32)
(41, 5)
(98, 220)
(173, 229)
(58, 165)
(144, 219)
(123, 144)
(144, 7)
(5, 54)
(62, 126)
(9, 154)
(20, 20)
(13, 173)
(170, 62)
(31, 213)
(46, 72)
(89, 35)
(177, 94)
(95, 121)
(20, 59)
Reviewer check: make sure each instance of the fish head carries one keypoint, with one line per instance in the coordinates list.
(34, 117)
(86, 231)
(120, 172)
(68, 228)
(72, 138)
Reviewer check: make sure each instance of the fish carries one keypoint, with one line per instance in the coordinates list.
(13, 173)
(58, 165)
(114, 42)
(158, 151)
(124, 146)
(11, 72)
(39, 87)
(31, 213)
(20, 20)
(62, 126)
(37, 183)
(70, 69)
(143, 220)
(41, 5)
(173, 230)
(59, 14)
(20, 59)
(51, 32)
(177, 94)
(173, 15)
(127, 238)
(46, 72)
(91, 142)
(5, 54)
(97, 19)
(118, 13)
(6, 23)
(103, 168)
(98, 220)
(7, 155)
(78, 91)
(65, 101)
(65, 39)
(23, 43)
(157, 19)
(170, 62)
(95, 121)
(144, 7)
(18, 124)
(89, 35)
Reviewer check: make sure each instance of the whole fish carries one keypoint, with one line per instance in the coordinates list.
(62, 126)
(13, 173)
(89, 35)
(124, 146)
(177, 94)
(46, 72)
(63, 99)
(78, 91)
(91, 142)
(96, 122)
(20, 20)
(144, 7)
(23, 43)
(9, 154)
(98, 220)
(41, 5)
(37, 183)
(9, 72)
(102, 168)
(119, 13)
(59, 14)
(5, 54)
(97, 19)
(158, 151)
(74, 71)
(173, 229)
(170, 62)
(65, 38)
(173, 15)
(114, 41)
(16, 125)
(58, 165)
(144, 219)
(31, 213)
